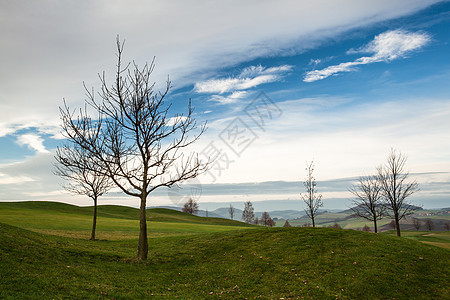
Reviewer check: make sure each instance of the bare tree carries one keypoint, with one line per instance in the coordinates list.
(256, 221)
(287, 224)
(231, 211)
(416, 223)
(335, 225)
(136, 142)
(366, 228)
(190, 207)
(271, 222)
(429, 224)
(248, 214)
(312, 200)
(265, 217)
(392, 224)
(396, 188)
(368, 202)
(75, 165)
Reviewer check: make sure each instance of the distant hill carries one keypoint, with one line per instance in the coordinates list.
(413, 207)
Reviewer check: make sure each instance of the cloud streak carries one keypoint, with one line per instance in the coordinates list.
(385, 47)
(33, 142)
(250, 77)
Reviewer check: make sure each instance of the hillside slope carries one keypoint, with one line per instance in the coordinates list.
(266, 262)
(114, 222)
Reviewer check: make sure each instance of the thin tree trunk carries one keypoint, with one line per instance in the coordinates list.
(94, 221)
(314, 223)
(397, 225)
(142, 249)
(375, 226)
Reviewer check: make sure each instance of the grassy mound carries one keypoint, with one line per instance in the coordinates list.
(318, 263)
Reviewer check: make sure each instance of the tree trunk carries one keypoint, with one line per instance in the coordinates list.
(314, 223)
(375, 226)
(94, 221)
(142, 250)
(397, 225)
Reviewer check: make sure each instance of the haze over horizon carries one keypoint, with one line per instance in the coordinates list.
(280, 83)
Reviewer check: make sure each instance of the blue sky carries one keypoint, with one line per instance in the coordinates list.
(343, 82)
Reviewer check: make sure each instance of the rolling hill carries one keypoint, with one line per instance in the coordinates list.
(211, 258)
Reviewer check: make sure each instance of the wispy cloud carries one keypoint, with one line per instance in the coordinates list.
(232, 98)
(385, 47)
(231, 89)
(249, 77)
(33, 141)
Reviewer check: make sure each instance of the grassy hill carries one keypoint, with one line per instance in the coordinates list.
(114, 222)
(211, 259)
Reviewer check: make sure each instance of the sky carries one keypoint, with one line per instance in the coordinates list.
(279, 83)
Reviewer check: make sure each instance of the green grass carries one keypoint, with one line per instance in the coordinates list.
(217, 258)
(436, 238)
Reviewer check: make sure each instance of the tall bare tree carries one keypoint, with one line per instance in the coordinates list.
(396, 188)
(368, 201)
(75, 165)
(138, 145)
(312, 199)
(248, 214)
(231, 211)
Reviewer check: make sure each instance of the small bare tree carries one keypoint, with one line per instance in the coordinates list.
(335, 225)
(190, 207)
(248, 214)
(396, 188)
(287, 224)
(231, 211)
(265, 217)
(75, 165)
(136, 142)
(368, 202)
(392, 224)
(429, 224)
(416, 223)
(312, 199)
(366, 228)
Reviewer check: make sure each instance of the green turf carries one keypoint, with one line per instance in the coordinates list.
(211, 261)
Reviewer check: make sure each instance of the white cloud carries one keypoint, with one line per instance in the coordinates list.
(385, 47)
(6, 179)
(33, 141)
(234, 97)
(175, 120)
(344, 140)
(249, 77)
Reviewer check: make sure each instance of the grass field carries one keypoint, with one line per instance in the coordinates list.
(436, 238)
(203, 258)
